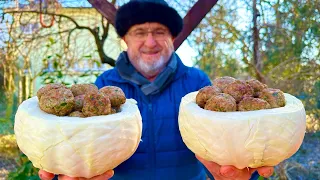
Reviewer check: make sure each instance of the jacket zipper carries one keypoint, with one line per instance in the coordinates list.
(151, 139)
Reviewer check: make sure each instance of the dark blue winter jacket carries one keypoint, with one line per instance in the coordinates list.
(161, 154)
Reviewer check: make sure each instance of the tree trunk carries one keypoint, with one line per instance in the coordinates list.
(256, 54)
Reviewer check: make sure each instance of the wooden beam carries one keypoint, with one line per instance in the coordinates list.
(193, 18)
(106, 8)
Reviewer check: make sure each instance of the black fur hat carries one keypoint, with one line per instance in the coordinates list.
(142, 11)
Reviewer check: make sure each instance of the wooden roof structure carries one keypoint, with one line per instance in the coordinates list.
(191, 20)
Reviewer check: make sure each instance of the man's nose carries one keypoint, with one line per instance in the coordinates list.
(150, 40)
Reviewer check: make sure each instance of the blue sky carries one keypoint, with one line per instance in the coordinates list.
(186, 53)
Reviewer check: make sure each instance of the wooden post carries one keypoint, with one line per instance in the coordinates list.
(106, 8)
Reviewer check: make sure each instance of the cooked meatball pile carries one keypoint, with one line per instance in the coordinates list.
(95, 104)
(238, 89)
(205, 93)
(80, 100)
(223, 82)
(55, 99)
(221, 102)
(115, 94)
(228, 94)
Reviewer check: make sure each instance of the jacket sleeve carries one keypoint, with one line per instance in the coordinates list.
(204, 80)
(99, 82)
(102, 80)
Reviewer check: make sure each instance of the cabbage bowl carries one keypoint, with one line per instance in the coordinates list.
(74, 146)
(243, 139)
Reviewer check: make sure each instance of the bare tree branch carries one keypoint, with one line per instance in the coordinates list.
(99, 41)
(53, 14)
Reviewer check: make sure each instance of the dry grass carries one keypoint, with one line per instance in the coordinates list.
(8, 152)
(313, 123)
(8, 146)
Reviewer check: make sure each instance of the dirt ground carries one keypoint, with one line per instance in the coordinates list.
(6, 165)
(305, 164)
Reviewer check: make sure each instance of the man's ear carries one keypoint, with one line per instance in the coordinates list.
(124, 42)
(124, 39)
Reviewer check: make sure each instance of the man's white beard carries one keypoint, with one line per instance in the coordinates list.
(155, 66)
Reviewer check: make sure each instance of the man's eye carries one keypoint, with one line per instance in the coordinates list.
(160, 33)
(139, 34)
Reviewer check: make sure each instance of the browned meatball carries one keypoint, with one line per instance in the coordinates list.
(238, 89)
(115, 94)
(251, 104)
(48, 87)
(275, 97)
(78, 102)
(76, 114)
(96, 104)
(58, 101)
(257, 86)
(205, 93)
(115, 110)
(80, 89)
(223, 82)
(221, 102)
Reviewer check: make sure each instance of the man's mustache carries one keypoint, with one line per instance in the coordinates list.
(151, 51)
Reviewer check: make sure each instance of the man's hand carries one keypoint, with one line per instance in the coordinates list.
(44, 175)
(230, 172)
